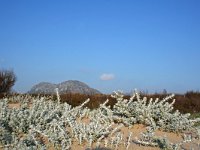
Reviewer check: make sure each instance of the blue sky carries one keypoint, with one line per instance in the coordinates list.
(108, 44)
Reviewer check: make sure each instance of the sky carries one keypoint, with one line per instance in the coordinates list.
(108, 44)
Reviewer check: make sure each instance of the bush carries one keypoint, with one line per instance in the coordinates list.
(47, 123)
(7, 80)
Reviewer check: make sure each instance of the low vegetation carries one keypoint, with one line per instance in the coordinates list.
(185, 103)
(48, 122)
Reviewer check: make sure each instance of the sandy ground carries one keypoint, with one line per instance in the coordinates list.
(14, 105)
(136, 130)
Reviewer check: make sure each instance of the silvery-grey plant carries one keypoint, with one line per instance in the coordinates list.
(147, 138)
(155, 113)
(43, 117)
(39, 118)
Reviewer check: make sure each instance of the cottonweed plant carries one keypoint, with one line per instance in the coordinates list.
(43, 123)
(158, 114)
(148, 138)
(26, 126)
(47, 123)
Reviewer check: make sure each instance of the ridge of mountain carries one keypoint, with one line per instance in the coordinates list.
(70, 86)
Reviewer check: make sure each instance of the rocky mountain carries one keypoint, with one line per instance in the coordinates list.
(70, 86)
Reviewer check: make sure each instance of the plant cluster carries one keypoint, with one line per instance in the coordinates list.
(158, 114)
(185, 103)
(41, 123)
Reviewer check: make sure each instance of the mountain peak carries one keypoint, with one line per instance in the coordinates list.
(70, 86)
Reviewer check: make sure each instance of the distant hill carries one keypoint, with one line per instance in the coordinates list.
(70, 86)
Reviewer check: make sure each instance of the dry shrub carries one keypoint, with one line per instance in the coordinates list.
(185, 103)
(7, 80)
